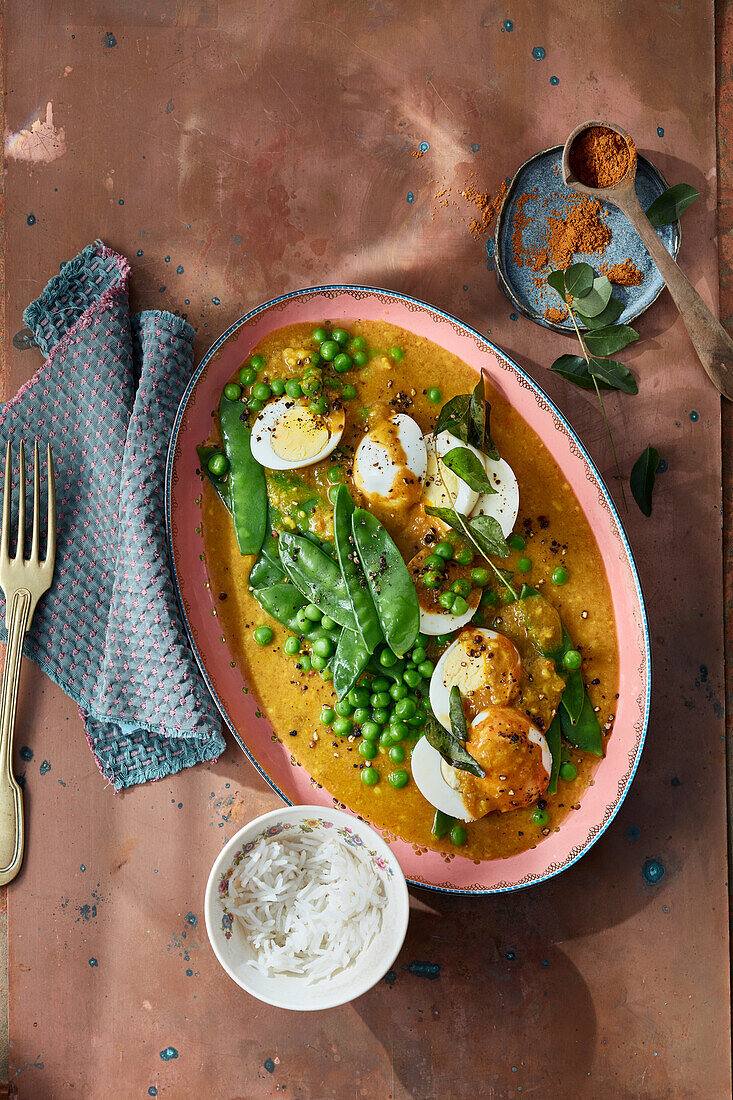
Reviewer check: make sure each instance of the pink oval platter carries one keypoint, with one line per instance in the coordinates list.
(252, 730)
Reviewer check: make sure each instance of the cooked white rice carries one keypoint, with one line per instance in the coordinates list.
(308, 904)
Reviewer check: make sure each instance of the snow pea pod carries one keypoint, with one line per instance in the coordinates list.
(205, 452)
(267, 569)
(350, 660)
(362, 604)
(389, 581)
(553, 738)
(283, 602)
(247, 486)
(585, 734)
(317, 576)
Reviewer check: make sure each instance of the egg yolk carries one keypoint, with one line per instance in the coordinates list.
(516, 775)
(299, 435)
(486, 667)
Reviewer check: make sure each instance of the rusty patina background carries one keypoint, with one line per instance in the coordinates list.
(238, 150)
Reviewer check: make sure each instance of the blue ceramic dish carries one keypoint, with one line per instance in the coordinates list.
(542, 176)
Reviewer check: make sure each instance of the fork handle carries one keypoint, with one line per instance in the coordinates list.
(11, 797)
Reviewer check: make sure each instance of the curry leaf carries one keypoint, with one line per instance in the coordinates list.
(553, 736)
(556, 279)
(573, 368)
(671, 203)
(468, 468)
(450, 748)
(642, 479)
(614, 374)
(477, 414)
(453, 417)
(579, 280)
(457, 717)
(596, 300)
(611, 313)
(607, 341)
(487, 532)
(442, 824)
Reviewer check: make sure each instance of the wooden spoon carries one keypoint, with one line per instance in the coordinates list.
(712, 343)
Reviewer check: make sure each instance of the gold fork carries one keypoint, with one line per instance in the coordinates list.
(23, 583)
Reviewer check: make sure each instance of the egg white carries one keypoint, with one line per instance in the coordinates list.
(435, 493)
(286, 435)
(376, 474)
(503, 505)
(441, 621)
(440, 689)
(428, 768)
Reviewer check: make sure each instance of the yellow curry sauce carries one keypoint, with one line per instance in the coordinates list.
(556, 532)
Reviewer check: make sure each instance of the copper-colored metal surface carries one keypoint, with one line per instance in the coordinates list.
(235, 151)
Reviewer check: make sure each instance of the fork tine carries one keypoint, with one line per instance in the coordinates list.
(7, 493)
(51, 533)
(36, 504)
(20, 545)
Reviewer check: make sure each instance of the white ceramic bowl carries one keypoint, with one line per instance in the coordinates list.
(228, 939)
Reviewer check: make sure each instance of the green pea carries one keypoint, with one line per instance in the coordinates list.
(480, 577)
(348, 392)
(396, 354)
(342, 363)
(311, 385)
(257, 361)
(447, 599)
(418, 654)
(344, 708)
(277, 385)
(465, 556)
(559, 575)
(444, 550)
(342, 727)
(432, 579)
(318, 662)
(292, 388)
(368, 750)
(380, 716)
(489, 599)
(398, 691)
(461, 587)
(312, 613)
(435, 395)
(361, 358)
(340, 335)
(427, 668)
(418, 719)
(399, 778)
(304, 664)
(320, 334)
(327, 623)
(302, 620)
(292, 645)
(232, 391)
(218, 465)
(568, 771)
(540, 817)
(323, 647)
(398, 729)
(329, 350)
(334, 475)
(443, 640)
(358, 343)
(460, 606)
(263, 635)
(517, 542)
(370, 730)
(247, 376)
(359, 697)
(380, 699)
(380, 683)
(254, 405)
(397, 754)
(434, 561)
(507, 596)
(327, 715)
(572, 660)
(524, 565)
(361, 715)
(386, 738)
(370, 776)
(261, 391)
(387, 658)
(458, 836)
(319, 405)
(412, 677)
(405, 708)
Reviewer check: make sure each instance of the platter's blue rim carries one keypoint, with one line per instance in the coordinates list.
(503, 278)
(347, 288)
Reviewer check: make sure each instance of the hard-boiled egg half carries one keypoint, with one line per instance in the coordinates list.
(484, 665)
(390, 462)
(435, 619)
(442, 488)
(503, 503)
(514, 755)
(286, 435)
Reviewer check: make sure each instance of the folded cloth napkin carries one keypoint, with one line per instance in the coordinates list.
(109, 631)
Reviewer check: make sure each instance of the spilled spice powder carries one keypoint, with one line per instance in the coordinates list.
(488, 207)
(599, 157)
(579, 229)
(555, 314)
(625, 273)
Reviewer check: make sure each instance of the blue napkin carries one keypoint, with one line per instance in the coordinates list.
(109, 631)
